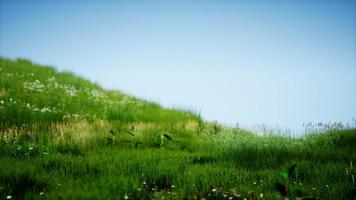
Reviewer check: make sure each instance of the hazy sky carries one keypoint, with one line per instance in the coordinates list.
(274, 62)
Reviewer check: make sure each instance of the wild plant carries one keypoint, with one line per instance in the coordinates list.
(287, 189)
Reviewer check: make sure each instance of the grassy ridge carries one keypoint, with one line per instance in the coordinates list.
(63, 137)
(36, 94)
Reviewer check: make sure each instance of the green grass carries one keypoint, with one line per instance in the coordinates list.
(79, 141)
(36, 94)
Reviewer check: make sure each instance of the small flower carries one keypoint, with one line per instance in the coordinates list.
(2, 102)
(213, 190)
(8, 197)
(45, 109)
(41, 193)
(126, 197)
(261, 195)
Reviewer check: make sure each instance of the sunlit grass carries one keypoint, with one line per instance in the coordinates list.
(63, 137)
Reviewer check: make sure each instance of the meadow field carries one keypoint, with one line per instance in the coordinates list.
(63, 137)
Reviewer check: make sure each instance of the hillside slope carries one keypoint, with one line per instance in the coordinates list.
(62, 137)
(31, 93)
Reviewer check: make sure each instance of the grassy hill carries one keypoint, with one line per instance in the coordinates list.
(37, 94)
(63, 137)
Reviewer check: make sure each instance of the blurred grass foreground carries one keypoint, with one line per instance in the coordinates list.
(63, 137)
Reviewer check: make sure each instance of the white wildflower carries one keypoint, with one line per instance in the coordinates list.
(46, 109)
(70, 90)
(56, 85)
(71, 93)
(96, 94)
(34, 86)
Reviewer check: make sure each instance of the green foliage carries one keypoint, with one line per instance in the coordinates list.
(288, 173)
(31, 93)
(62, 137)
(288, 190)
(20, 184)
(213, 169)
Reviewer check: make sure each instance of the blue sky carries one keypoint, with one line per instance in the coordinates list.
(252, 62)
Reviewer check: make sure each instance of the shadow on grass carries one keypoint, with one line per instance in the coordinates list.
(17, 185)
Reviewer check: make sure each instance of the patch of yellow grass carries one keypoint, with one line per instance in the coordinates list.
(2, 92)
